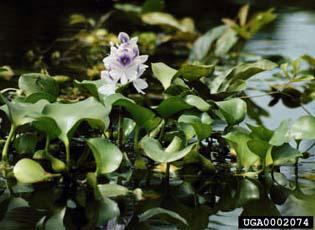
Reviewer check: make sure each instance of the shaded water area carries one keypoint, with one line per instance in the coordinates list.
(25, 25)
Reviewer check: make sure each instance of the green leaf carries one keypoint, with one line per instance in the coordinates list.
(203, 44)
(163, 73)
(303, 128)
(260, 132)
(200, 124)
(173, 105)
(107, 209)
(25, 143)
(303, 78)
(56, 220)
(226, 42)
(193, 72)
(20, 113)
(309, 59)
(281, 134)
(38, 83)
(168, 20)
(153, 149)
(47, 125)
(152, 5)
(91, 86)
(240, 73)
(69, 116)
(56, 164)
(259, 147)
(129, 8)
(238, 139)
(29, 171)
(233, 110)
(248, 191)
(128, 126)
(159, 211)
(260, 20)
(112, 190)
(284, 154)
(142, 116)
(197, 102)
(107, 155)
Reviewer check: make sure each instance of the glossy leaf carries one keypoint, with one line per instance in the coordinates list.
(163, 73)
(154, 150)
(226, 42)
(192, 72)
(67, 120)
(203, 44)
(281, 134)
(173, 105)
(285, 154)
(201, 125)
(238, 139)
(25, 143)
(56, 220)
(29, 171)
(233, 110)
(112, 190)
(107, 209)
(142, 116)
(107, 155)
(168, 20)
(38, 83)
(20, 113)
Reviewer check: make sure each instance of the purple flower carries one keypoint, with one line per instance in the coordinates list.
(124, 65)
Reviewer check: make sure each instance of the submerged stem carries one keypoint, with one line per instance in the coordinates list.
(7, 144)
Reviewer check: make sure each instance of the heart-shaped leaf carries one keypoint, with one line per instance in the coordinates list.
(154, 150)
(163, 73)
(233, 110)
(29, 171)
(107, 155)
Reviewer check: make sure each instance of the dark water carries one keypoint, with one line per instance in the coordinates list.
(24, 25)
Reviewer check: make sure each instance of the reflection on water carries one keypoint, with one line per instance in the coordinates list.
(293, 36)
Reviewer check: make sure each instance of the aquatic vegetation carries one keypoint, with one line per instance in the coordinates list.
(141, 144)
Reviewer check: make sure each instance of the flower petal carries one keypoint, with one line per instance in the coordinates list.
(140, 84)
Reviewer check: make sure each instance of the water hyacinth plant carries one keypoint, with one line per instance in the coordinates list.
(139, 145)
